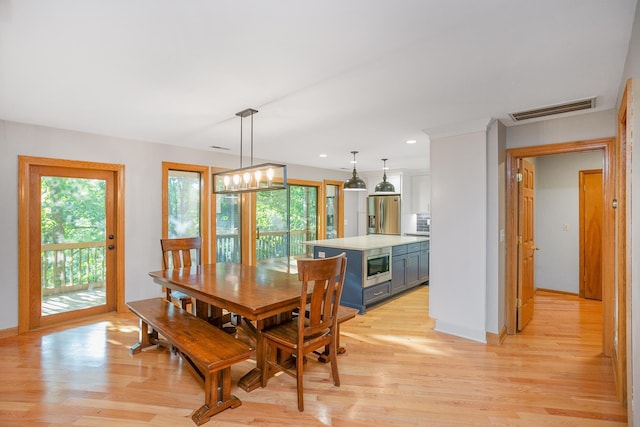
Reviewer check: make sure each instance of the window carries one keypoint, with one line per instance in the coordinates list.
(185, 196)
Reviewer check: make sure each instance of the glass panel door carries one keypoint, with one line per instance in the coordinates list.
(333, 210)
(228, 226)
(284, 220)
(73, 244)
(272, 230)
(304, 219)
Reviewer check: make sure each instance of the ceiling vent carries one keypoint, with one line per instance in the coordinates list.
(567, 107)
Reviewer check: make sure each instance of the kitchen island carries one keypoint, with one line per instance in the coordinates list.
(379, 266)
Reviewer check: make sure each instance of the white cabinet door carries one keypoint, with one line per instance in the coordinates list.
(421, 194)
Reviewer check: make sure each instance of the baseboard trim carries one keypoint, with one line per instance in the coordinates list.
(11, 332)
(497, 339)
(555, 291)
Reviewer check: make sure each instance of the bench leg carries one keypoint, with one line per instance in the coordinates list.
(143, 338)
(217, 396)
(146, 338)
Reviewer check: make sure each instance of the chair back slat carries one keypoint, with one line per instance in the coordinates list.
(176, 253)
(324, 278)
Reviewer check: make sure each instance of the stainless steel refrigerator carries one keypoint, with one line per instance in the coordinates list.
(384, 214)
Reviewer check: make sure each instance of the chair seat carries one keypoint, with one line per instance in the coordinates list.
(286, 334)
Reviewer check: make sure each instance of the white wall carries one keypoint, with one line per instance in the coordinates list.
(496, 222)
(143, 198)
(556, 219)
(601, 124)
(458, 260)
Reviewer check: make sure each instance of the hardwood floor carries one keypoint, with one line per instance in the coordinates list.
(397, 371)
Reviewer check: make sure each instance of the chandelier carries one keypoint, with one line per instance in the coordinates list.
(262, 177)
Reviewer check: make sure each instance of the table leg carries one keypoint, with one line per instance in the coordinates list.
(252, 379)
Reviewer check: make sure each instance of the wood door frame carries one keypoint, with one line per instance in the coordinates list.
(607, 145)
(583, 226)
(26, 252)
(323, 218)
(623, 248)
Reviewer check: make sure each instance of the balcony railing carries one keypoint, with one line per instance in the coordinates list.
(270, 245)
(69, 267)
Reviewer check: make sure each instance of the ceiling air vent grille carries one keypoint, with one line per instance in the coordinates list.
(567, 107)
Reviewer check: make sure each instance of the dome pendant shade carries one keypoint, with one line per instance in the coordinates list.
(354, 183)
(385, 186)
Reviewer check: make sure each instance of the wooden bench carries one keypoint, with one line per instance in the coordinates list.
(208, 350)
(344, 314)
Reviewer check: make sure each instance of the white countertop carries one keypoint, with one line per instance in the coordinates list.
(370, 241)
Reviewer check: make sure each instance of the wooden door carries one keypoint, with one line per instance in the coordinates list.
(72, 230)
(591, 234)
(526, 287)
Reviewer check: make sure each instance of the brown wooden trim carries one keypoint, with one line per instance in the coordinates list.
(9, 332)
(623, 158)
(496, 339)
(205, 202)
(322, 212)
(247, 233)
(26, 251)
(608, 174)
(555, 291)
(340, 219)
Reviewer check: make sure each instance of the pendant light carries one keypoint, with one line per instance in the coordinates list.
(385, 186)
(263, 177)
(354, 183)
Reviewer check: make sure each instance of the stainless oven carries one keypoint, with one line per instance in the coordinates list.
(376, 266)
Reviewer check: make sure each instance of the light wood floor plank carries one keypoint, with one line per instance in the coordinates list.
(397, 371)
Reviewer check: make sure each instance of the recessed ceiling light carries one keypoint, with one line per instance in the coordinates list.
(411, 141)
(323, 155)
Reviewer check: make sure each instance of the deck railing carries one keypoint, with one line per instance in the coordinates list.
(67, 267)
(270, 245)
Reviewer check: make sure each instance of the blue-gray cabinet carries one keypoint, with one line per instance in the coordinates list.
(409, 268)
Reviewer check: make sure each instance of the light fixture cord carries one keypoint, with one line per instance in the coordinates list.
(251, 139)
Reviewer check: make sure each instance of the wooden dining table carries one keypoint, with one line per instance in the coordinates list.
(259, 295)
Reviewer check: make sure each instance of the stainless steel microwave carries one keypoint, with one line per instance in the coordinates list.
(376, 266)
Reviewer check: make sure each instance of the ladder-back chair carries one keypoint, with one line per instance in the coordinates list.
(180, 253)
(316, 325)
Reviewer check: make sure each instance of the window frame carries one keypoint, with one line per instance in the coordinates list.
(205, 202)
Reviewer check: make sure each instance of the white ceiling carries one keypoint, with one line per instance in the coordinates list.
(328, 77)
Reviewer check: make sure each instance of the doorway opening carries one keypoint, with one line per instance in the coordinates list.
(70, 232)
(613, 343)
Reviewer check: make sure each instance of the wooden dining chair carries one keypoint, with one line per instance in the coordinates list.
(177, 253)
(321, 289)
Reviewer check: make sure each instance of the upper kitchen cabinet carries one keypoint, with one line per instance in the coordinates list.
(420, 194)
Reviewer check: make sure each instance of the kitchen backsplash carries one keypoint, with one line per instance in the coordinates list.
(423, 222)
